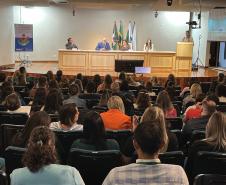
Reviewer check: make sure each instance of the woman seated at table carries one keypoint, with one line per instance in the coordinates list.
(148, 46)
(40, 163)
(125, 46)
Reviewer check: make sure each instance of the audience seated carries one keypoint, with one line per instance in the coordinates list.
(122, 76)
(151, 114)
(149, 139)
(74, 96)
(132, 82)
(91, 87)
(20, 76)
(94, 135)
(221, 93)
(3, 78)
(164, 102)
(148, 87)
(215, 139)
(6, 89)
(13, 105)
(115, 117)
(39, 100)
(106, 84)
(171, 78)
(53, 102)
(104, 98)
(42, 83)
(39, 118)
(80, 85)
(208, 108)
(194, 92)
(97, 81)
(49, 76)
(40, 162)
(143, 101)
(194, 111)
(220, 79)
(68, 119)
(59, 75)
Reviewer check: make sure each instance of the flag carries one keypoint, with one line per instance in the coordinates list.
(115, 37)
(120, 33)
(134, 37)
(129, 33)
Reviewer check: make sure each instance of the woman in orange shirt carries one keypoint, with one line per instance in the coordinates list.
(115, 118)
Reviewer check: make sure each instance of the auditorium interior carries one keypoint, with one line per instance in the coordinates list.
(74, 113)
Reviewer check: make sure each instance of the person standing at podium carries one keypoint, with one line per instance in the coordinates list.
(188, 37)
(103, 45)
(70, 44)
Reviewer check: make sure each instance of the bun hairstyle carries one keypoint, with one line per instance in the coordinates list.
(41, 149)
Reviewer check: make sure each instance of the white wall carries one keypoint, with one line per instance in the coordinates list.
(6, 37)
(53, 25)
(222, 60)
(203, 41)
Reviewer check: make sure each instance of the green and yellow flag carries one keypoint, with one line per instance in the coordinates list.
(121, 37)
(115, 37)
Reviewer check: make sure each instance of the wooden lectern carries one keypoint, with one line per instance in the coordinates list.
(184, 56)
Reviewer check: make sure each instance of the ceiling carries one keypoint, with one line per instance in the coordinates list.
(185, 5)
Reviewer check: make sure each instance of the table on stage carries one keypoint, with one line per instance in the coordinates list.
(89, 62)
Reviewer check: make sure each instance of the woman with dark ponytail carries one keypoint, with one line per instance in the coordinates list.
(40, 161)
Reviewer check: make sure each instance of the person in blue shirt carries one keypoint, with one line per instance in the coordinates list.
(103, 45)
(40, 163)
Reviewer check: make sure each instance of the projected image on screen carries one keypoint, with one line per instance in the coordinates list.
(217, 25)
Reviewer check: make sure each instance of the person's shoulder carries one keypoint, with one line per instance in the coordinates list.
(19, 172)
(112, 144)
(55, 125)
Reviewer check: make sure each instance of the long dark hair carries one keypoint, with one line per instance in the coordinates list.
(53, 102)
(94, 131)
(41, 150)
(40, 97)
(39, 118)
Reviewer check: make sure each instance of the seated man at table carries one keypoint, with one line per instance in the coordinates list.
(149, 138)
(70, 44)
(103, 45)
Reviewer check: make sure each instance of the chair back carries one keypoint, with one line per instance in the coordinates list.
(205, 86)
(221, 108)
(13, 157)
(13, 118)
(8, 132)
(54, 117)
(94, 165)
(175, 123)
(210, 179)
(3, 178)
(120, 136)
(99, 109)
(65, 139)
(175, 157)
(208, 163)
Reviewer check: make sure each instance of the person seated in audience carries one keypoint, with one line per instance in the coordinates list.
(39, 100)
(186, 89)
(53, 84)
(208, 108)
(154, 81)
(163, 101)
(149, 139)
(42, 83)
(220, 80)
(20, 76)
(79, 83)
(97, 80)
(94, 135)
(49, 75)
(64, 83)
(194, 92)
(148, 87)
(221, 93)
(125, 46)
(115, 118)
(104, 98)
(103, 45)
(39, 118)
(53, 102)
(148, 46)
(170, 88)
(3, 78)
(171, 78)
(13, 105)
(194, 111)
(115, 88)
(90, 88)
(59, 75)
(143, 101)
(214, 98)
(106, 84)
(215, 140)
(153, 113)
(68, 119)
(74, 96)
(132, 82)
(124, 88)
(6, 89)
(40, 161)
(122, 76)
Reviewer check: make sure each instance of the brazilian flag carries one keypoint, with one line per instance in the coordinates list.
(115, 37)
(121, 37)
